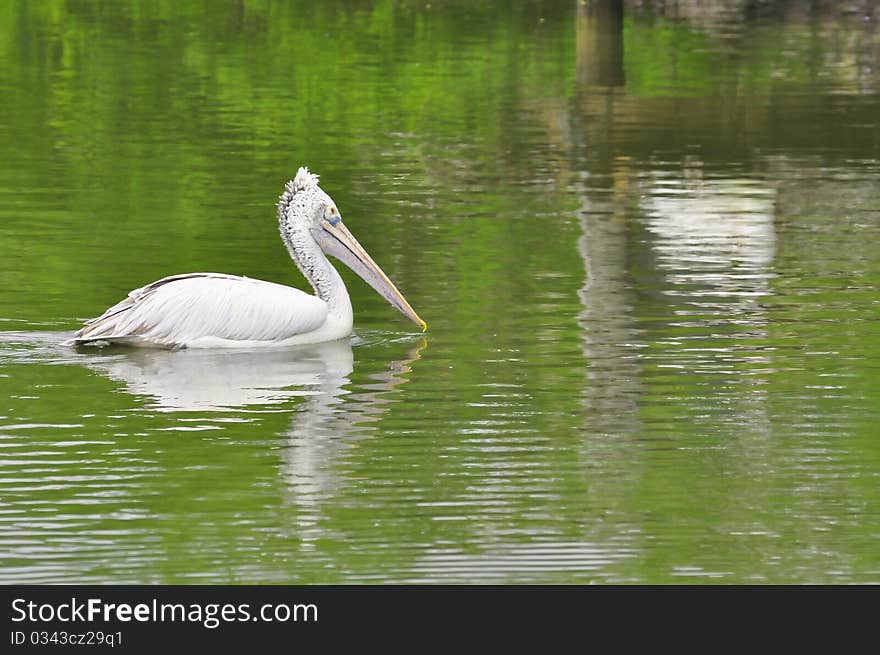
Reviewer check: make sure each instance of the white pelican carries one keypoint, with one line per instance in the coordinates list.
(211, 310)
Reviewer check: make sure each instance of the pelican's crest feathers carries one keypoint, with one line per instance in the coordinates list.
(303, 180)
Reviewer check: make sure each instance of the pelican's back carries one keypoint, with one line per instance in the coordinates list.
(207, 309)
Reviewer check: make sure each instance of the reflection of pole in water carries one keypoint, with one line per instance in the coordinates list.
(599, 42)
(613, 389)
(324, 426)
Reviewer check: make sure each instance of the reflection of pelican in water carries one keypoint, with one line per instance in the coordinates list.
(330, 412)
(327, 424)
(218, 380)
(210, 310)
(221, 379)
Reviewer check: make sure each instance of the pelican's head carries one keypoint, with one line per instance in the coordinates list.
(305, 208)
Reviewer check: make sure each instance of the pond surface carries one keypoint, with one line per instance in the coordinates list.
(647, 244)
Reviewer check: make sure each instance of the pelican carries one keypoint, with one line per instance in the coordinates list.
(214, 310)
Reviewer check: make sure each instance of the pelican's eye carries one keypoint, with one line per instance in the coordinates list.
(331, 215)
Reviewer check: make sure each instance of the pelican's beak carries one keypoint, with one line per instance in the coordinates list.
(336, 240)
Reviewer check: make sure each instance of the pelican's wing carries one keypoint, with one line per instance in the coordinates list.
(181, 309)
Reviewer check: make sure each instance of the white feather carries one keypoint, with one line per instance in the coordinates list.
(211, 310)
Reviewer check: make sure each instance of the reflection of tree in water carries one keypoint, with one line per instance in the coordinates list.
(712, 245)
(714, 240)
(709, 244)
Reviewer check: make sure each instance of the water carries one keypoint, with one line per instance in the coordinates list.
(647, 245)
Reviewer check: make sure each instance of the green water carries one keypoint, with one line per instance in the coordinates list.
(647, 247)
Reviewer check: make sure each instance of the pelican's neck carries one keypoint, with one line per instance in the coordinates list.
(313, 263)
(317, 269)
